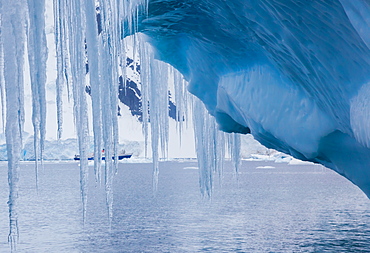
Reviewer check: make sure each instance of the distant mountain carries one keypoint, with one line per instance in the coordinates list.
(130, 94)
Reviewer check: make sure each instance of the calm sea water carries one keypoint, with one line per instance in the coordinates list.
(269, 208)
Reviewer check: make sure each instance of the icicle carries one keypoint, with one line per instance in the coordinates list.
(37, 56)
(154, 126)
(112, 27)
(107, 132)
(13, 38)
(109, 46)
(158, 106)
(114, 109)
(210, 147)
(234, 147)
(109, 58)
(219, 149)
(65, 41)
(154, 82)
(61, 26)
(145, 79)
(2, 81)
(178, 101)
(161, 87)
(122, 50)
(119, 53)
(76, 31)
(59, 42)
(181, 101)
(93, 61)
(200, 126)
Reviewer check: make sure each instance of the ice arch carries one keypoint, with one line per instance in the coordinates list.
(293, 73)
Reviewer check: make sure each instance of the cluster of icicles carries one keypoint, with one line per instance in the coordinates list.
(90, 32)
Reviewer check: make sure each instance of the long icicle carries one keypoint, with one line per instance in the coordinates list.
(115, 48)
(151, 99)
(144, 81)
(2, 81)
(37, 56)
(210, 147)
(109, 43)
(76, 31)
(59, 44)
(155, 99)
(158, 112)
(107, 134)
(93, 61)
(13, 35)
(235, 146)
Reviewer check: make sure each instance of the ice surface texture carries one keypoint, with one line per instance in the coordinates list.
(295, 73)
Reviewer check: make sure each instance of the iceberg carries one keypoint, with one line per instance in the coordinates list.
(294, 74)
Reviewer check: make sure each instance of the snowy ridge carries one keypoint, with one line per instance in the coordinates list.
(66, 149)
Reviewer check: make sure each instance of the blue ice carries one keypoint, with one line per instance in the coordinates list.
(294, 73)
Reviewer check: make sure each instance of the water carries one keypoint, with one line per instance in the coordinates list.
(270, 208)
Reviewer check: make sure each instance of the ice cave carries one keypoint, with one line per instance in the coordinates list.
(293, 73)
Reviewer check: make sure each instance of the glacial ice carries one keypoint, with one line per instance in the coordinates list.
(293, 73)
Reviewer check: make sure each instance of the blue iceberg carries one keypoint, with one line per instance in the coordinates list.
(293, 73)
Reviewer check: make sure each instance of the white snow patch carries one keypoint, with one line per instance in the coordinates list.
(191, 168)
(265, 167)
(299, 162)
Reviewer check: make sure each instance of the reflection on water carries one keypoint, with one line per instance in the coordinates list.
(268, 208)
